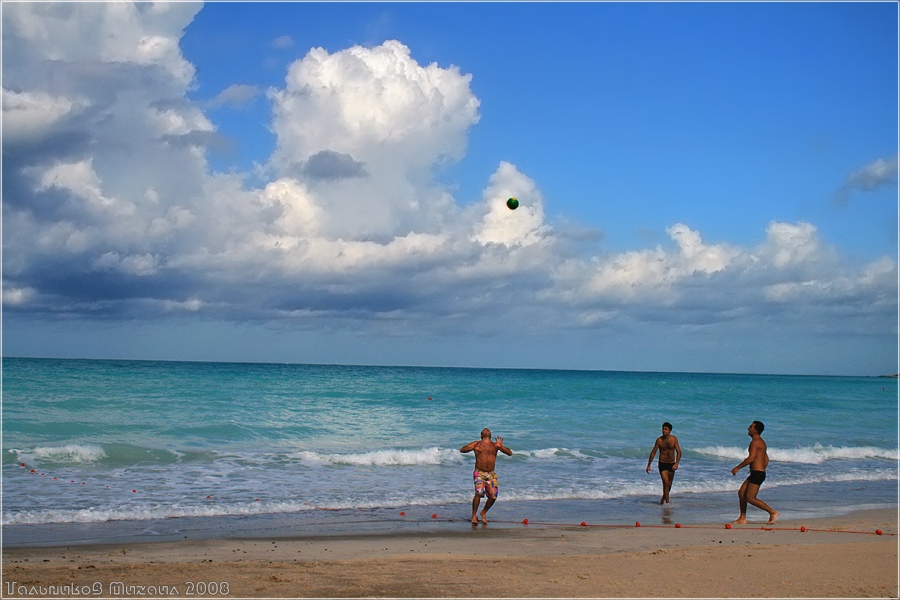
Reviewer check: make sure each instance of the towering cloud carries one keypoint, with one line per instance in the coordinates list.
(366, 126)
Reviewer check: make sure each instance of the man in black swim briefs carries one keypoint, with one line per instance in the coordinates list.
(758, 459)
(756, 477)
(669, 456)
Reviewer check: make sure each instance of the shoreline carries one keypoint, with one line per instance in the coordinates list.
(836, 557)
(795, 502)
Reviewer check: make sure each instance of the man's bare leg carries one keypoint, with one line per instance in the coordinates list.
(475, 502)
(752, 490)
(667, 485)
(487, 507)
(742, 497)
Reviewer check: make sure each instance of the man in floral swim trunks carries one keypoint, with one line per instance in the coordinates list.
(485, 477)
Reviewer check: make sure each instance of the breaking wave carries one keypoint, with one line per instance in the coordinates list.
(810, 455)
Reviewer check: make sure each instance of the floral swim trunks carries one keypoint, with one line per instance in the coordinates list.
(485, 484)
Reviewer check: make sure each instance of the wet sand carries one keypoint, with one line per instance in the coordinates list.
(835, 557)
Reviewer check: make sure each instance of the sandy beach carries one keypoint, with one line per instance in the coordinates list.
(835, 557)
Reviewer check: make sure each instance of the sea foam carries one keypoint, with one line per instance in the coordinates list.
(426, 456)
(383, 458)
(810, 455)
(70, 453)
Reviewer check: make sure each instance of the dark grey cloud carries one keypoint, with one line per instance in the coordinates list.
(22, 157)
(101, 273)
(330, 165)
(48, 206)
(880, 173)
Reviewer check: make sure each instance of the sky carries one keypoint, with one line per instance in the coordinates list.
(706, 187)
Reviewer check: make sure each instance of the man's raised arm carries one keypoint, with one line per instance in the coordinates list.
(468, 447)
(503, 448)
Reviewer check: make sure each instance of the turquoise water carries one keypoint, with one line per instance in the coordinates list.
(139, 440)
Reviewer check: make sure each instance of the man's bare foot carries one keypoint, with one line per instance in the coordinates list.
(772, 518)
(484, 517)
(740, 521)
(474, 520)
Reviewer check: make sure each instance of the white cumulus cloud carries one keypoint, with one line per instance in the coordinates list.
(377, 122)
(790, 243)
(501, 225)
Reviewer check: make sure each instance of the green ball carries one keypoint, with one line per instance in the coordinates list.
(512, 203)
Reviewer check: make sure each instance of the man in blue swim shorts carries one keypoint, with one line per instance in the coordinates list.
(758, 459)
(484, 475)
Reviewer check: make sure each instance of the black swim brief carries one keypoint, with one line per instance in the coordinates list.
(756, 477)
(664, 466)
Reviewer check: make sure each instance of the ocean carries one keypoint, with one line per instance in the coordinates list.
(152, 448)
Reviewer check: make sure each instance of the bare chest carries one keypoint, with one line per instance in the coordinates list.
(666, 443)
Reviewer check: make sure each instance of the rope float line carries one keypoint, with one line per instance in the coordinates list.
(801, 529)
(680, 526)
(435, 517)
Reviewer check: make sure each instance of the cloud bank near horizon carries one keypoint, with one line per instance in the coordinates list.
(111, 210)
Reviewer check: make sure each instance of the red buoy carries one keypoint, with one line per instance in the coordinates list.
(525, 522)
(678, 525)
(727, 525)
(434, 516)
(583, 524)
(637, 523)
(802, 529)
(878, 532)
(402, 513)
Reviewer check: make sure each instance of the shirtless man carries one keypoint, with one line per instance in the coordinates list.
(758, 460)
(485, 477)
(669, 457)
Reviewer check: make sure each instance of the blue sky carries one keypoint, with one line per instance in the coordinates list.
(703, 186)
